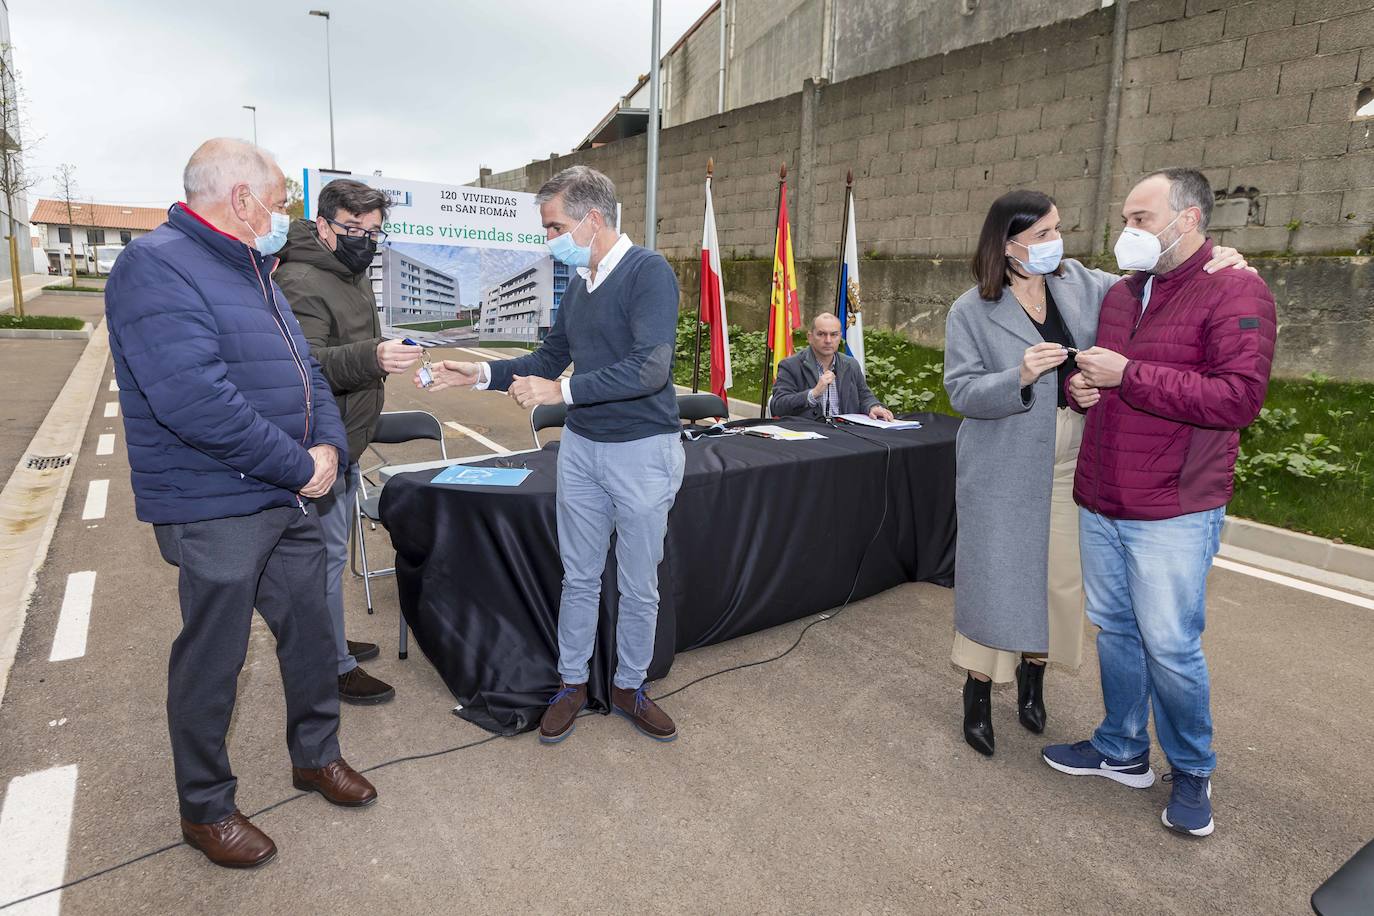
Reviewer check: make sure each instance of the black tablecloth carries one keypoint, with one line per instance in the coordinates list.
(763, 532)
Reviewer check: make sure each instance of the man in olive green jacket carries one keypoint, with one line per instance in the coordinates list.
(325, 275)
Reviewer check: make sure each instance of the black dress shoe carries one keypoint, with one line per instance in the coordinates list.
(978, 715)
(1030, 696)
(362, 651)
(361, 688)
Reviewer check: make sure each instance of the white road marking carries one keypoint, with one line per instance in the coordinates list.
(111, 408)
(1280, 579)
(75, 618)
(105, 444)
(473, 434)
(114, 386)
(96, 495)
(35, 826)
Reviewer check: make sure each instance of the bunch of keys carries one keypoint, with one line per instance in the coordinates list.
(426, 376)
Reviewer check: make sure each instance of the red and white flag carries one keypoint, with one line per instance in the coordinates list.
(713, 304)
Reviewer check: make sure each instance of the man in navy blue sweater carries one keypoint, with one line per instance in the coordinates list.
(231, 429)
(620, 460)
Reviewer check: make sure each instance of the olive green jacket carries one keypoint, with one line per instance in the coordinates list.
(338, 314)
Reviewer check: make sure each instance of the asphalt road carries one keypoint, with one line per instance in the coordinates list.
(834, 780)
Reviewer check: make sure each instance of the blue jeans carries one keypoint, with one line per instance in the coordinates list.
(1146, 586)
(628, 488)
(337, 511)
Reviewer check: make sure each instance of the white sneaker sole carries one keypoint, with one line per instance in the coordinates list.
(1205, 830)
(1133, 780)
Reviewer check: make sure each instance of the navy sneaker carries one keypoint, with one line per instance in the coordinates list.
(1190, 804)
(1082, 759)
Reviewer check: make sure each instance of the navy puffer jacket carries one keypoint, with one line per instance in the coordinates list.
(220, 396)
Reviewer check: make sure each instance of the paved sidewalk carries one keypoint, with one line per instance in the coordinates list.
(834, 780)
(33, 371)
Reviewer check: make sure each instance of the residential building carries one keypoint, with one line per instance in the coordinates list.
(409, 290)
(15, 146)
(100, 232)
(523, 306)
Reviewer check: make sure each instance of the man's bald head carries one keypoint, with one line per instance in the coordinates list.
(219, 164)
(235, 186)
(824, 335)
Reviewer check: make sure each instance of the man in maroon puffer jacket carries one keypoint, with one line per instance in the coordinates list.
(1181, 365)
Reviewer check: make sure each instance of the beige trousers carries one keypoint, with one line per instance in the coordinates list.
(1065, 573)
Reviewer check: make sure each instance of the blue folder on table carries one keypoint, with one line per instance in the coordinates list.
(470, 476)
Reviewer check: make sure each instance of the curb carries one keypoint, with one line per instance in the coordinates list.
(32, 500)
(45, 334)
(49, 291)
(1296, 547)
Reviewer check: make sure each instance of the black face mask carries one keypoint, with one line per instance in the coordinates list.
(354, 253)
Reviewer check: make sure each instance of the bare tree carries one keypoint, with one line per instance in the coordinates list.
(15, 178)
(66, 192)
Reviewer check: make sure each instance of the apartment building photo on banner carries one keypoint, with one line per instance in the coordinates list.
(456, 256)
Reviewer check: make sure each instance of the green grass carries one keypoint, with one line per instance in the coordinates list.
(1307, 464)
(1289, 479)
(41, 323)
(437, 325)
(70, 288)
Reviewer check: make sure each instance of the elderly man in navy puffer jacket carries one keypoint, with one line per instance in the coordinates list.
(231, 430)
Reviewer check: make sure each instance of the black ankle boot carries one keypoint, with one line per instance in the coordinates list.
(978, 715)
(1030, 695)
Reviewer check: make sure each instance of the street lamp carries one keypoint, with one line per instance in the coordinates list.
(254, 109)
(329, 80)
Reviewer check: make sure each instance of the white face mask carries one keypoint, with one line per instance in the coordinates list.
(1137, 249)
(1042, 257)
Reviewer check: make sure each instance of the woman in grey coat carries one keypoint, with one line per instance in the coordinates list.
(1009, 345)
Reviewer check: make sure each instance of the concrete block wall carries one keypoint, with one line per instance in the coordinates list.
(1261, 94)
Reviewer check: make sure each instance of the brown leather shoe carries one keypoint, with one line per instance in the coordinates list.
(362, 651)
(234, 842)
(338, 782)
(560, 718)
(362, 689)
(643, 713)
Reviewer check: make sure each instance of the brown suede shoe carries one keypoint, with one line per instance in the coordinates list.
(234, 842)
(560, 718)
(643, 713)
(338, 782)
(362, 689)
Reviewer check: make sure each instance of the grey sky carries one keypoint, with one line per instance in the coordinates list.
(423, 89)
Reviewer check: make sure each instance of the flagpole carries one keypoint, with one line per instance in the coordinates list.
(844, 241)
(768, 350)
(701, 290)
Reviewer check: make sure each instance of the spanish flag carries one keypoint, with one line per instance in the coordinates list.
(784, 315)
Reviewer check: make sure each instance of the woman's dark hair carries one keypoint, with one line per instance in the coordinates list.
(1011, 214)
(352, 196)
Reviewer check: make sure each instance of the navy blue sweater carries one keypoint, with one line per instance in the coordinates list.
(620, 341)
(220, 396)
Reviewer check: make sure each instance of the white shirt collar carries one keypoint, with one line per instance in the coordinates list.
(607, 264)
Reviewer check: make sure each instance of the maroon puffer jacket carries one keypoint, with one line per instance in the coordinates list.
(1164, 443)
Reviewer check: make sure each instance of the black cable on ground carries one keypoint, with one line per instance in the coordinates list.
(831, 615)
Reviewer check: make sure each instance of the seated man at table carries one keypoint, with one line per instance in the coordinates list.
(620, 459)
(821, 382)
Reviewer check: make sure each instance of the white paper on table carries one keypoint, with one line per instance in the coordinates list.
(779, 432)
(865, 420)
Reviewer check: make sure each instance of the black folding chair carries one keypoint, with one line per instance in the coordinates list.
(393, 428)
(546, 416)
(701, 406)
(1350, 890)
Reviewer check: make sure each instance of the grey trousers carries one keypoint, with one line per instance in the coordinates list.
(273, 560)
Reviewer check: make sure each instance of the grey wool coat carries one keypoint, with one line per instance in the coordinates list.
(1005, 455)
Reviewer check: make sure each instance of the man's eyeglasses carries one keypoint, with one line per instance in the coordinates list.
(357, 232)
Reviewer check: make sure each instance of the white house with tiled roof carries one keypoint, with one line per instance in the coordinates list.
(100, 231)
